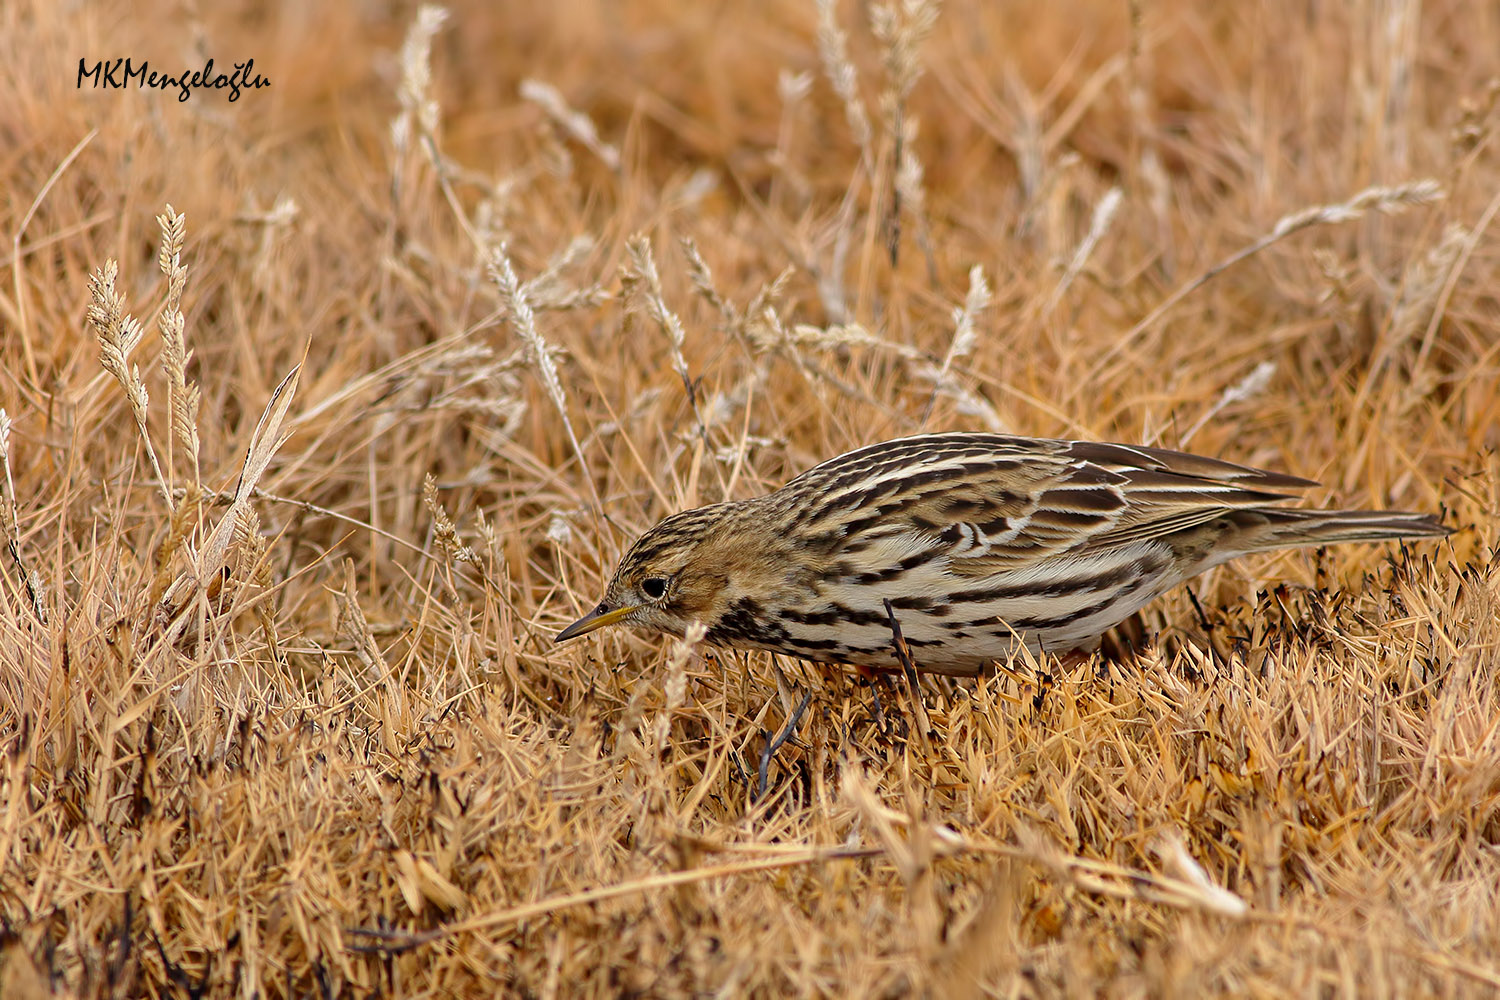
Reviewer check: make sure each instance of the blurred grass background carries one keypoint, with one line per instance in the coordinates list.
(315, 739)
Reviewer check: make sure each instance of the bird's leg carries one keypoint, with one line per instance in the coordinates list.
(772, 745)
(1208, 627)
(871, 679)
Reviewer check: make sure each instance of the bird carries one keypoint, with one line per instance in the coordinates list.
(975, 543)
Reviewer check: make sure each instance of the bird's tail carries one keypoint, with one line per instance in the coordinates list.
(1265, 528)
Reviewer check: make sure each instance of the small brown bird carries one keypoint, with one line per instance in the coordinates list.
(978, 541)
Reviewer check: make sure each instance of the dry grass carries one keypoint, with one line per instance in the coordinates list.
(278, 721)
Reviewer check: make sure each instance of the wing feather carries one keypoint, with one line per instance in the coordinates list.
(988, 503)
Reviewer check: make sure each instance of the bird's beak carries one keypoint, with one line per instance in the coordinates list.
(598, 618)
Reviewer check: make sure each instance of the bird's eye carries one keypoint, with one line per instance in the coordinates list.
(654, 587)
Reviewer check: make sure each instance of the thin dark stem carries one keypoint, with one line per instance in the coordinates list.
(908, 670)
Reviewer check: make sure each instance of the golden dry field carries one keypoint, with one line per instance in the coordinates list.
(280, 713)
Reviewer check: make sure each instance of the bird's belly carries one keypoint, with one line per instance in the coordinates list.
(956, 625)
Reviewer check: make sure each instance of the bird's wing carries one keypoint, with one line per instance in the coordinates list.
(989, 504)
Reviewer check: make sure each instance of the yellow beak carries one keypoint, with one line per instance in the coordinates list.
(598, 618)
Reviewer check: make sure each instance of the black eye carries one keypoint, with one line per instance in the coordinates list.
(654, 587)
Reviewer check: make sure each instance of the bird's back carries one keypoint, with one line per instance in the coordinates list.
(980, 540)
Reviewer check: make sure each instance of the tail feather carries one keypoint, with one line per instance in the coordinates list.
(1267, 528)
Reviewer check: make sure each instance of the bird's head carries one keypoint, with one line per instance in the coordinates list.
(683, 570)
